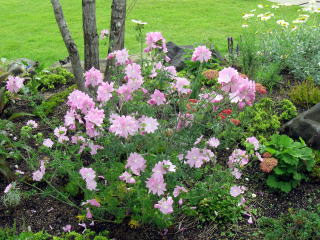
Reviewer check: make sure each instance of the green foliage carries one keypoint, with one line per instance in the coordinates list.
(305, 94)
(296, 224)
(212, 200)
(265, 117)
(10, 234)
(49, 105)
(13, 197)
(46, 79)
(316, 168)
(268, 75)
(294, 160)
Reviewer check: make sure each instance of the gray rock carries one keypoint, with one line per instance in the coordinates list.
(177, 54)
(307, 126)
(22, 65)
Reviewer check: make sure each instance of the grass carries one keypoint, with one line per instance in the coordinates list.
(29, 29)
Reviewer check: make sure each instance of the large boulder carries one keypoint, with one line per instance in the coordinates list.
(307, 126)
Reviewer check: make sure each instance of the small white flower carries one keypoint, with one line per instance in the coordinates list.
(260, 6)
(244, 25)
(274, 6)
(139, 22)
(253, 195)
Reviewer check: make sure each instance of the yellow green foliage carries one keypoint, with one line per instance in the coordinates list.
(305, 94)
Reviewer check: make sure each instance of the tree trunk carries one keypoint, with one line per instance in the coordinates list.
(91, 40)
(117, 27)
(70, 45)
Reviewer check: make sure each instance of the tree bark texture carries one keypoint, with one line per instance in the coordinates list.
(91, 39)
(117, 30)
(70, 45)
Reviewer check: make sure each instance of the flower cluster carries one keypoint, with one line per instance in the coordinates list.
(241, 90)
(155, 40)
(201, 54)
(14, 84)
(38, 175)
(196, 157)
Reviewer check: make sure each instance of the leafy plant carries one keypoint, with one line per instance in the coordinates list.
(296, 224)
(294, 160)
(305, 94)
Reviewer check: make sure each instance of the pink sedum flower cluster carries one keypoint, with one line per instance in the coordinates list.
(201, 54)
(14, 84)
(88, 174)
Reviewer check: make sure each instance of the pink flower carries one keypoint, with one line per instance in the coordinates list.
(184, 120)
(196, 157)
(133, 71)
(48, 143)
(14, 84)
(181, 85)
(92, 202)
(104, 33)
(237, 190)
(165, 205)
(32, 124)
(95, 116)
(172, 70)
(157, 98)
(8, 188)
(89, 214)
(213, 142)
(67, 228)
(228, 78)
(60, 133)
(148, 124)
(123, 126)
(122, 56)
(198, 140)
(104, 92)
(94, 148)
(125, 91)
(201, 54)
(70, 119)
(254, 142)
(156, 184)
(177, 190)
(158, 66)
(127, 177)
(38, 175)
(236, 173)
(81, 101)
(136, 163)
(238, 157)
(93, 77)
(155, 40)
(88, 174)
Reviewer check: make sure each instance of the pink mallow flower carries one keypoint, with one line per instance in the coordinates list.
(93, 77)
(48, 142)
(156, 184)
(123, 126)
(238, 157)
(38, 175)
(157, 98)
(228, 78)
(213, 142)
(14, 84)
(122, 56)
(127, 177)
(196, 157)
(125, 91)
(67, 228)
(201, 54)
(104, 92)
(182, 85)
(95, 116)
(237, 190)
(136, 163)
(88, 174)
(81, 101)
(254, 142)
(177, 190)
(8, 188)
(60, 133)
(104, 33)
(184, 120)
(32, 124)
(155, 40)
(92, 202)
(148, 124)
(165, 205)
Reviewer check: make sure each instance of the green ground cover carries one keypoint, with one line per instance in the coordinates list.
(28, 28)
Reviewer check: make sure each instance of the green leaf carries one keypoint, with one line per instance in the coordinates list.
(20, 114)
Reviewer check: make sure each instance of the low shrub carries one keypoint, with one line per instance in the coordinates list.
(294, 225)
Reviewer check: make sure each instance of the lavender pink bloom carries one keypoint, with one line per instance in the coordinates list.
(201, 54)
(93, 77)
(14, 84)
(136, 163)
(165, 205)
(157, 98)
(123, 126)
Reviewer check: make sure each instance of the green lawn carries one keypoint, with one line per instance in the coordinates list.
(28, 28)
